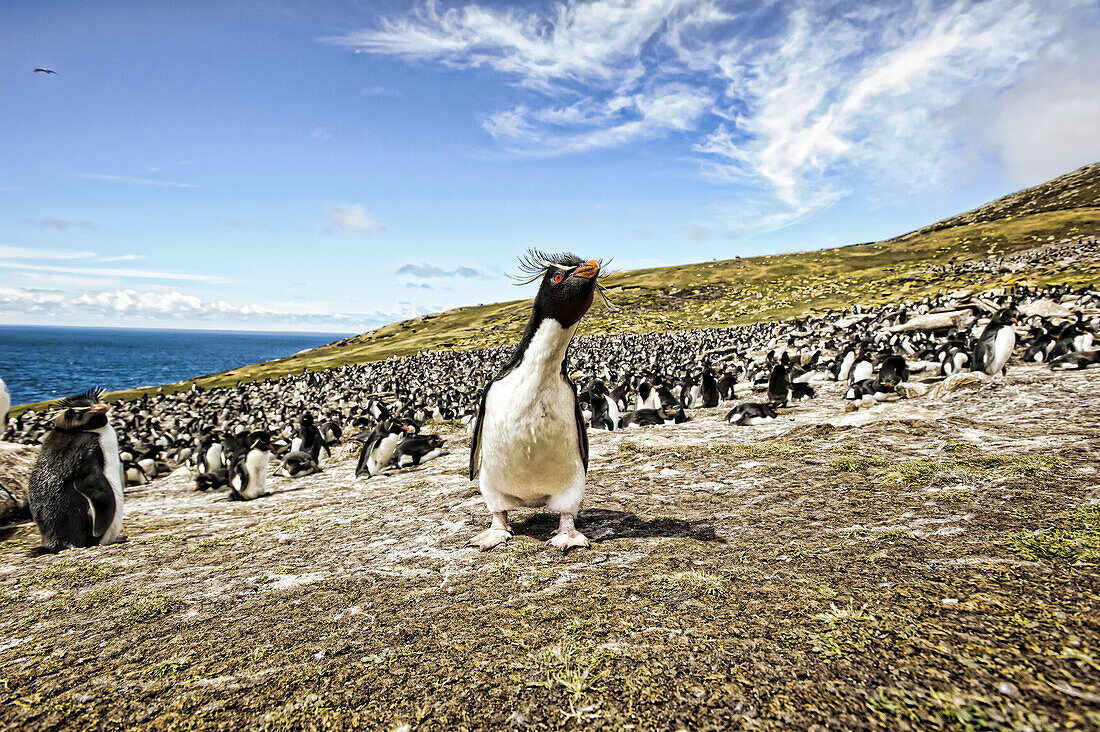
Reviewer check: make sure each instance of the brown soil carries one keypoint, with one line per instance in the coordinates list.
(787, 576)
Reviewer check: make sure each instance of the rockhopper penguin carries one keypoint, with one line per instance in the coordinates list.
(75, 487)
(529, 446)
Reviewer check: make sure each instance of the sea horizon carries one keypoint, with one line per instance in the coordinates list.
(40, 363)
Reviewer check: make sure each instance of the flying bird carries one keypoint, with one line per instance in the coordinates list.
(45, 71)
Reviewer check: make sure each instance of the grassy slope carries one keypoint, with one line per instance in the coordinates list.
(741, 291)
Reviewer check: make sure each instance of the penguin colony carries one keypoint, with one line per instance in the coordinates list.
(231, 437)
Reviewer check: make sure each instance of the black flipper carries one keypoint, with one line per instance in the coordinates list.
(101, 498)
(582, 430)
(364, 456)
(475, 441)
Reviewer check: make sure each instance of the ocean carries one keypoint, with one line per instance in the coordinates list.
(40, 363)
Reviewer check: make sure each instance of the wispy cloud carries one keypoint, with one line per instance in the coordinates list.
(141, 274)
(354, 219)
(7, 252)
(123, 258)
(66, 225)
(429, 271)
(797, 101)
(134, 180)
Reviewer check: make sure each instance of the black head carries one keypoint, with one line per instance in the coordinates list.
(259, 441)
(567, 289)
(81, 412)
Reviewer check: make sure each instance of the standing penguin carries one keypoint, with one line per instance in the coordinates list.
(708, 387)
(995, 344)
(530, 447)
(779, 386)
(75, 487)
(5, 406)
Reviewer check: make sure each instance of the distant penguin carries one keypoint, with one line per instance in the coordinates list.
(779, 386)
(726, 387)
(379, 446)
(651, 417)
(708, 388)
(648, 398)
(751, 413)
(250, 472)
(530, 445)
(75, 487)
(845, 365)
(862, 369)
(5, 406)
(312, 441)
(995, 344)
(297, 465)
(417, 450)
(212, 481)
(893, 371)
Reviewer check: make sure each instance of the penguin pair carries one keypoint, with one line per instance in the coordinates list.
(249, 478)
(380, 445)
(75, 486)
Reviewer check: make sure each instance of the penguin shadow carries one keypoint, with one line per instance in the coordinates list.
(601, 524)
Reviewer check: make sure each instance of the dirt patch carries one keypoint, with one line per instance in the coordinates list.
(807, 573)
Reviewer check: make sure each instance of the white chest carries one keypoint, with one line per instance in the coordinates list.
(112, 470)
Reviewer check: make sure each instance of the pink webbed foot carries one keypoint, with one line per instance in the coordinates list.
(499, 533)
(567, 536)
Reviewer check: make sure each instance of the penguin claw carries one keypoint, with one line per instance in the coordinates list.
(490, 538)
(570, 540)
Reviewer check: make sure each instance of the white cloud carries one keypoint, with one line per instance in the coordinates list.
(353, 218)
(127, 304)
(798, 102)
(132, 180)
(1049, 123)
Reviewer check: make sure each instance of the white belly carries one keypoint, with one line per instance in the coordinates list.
(112, 470)
(1002, 349)
(256, 467)
(381, 455)
(530, 448)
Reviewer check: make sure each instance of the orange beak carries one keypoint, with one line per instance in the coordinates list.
(588, 270)
(101, 408)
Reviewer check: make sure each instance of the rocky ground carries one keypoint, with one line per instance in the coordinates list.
(920, 564)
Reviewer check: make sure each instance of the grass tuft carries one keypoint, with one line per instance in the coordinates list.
(697, 583)
(1076, 547)
(70, 573)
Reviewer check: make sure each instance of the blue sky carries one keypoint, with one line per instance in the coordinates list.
(337, 166)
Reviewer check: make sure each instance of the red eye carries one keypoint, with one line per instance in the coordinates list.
(557, 277)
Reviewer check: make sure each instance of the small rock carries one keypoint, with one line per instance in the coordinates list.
(950, 601)
(1007, 689)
